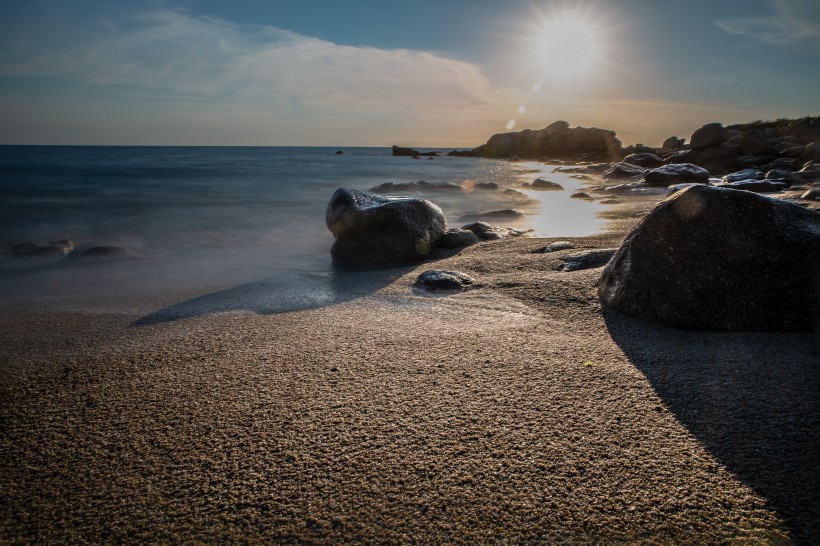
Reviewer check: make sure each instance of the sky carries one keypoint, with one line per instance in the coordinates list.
(413, 73)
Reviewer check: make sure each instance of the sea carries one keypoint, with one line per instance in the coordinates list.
(217, 218)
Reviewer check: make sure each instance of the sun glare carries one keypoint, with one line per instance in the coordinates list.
(567, 46)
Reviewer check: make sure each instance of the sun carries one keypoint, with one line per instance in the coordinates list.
(567, 45)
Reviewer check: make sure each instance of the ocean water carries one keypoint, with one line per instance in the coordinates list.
(221, 217)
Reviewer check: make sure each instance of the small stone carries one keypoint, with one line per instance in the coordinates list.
(437, 280)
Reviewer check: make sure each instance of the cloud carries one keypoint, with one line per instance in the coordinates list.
(789, 27)
(259, 75)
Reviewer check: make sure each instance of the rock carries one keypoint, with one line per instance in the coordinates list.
(757, 186)
(554, 247)
(437, 280)
(644, 160)
(460, 153)
(34, 249)
(398, 150)
(486, 186)
(458, 238)
(720, 259)
(677, 173)
(755, 142)
(673, 143)
(783, 163)
(708, 136)
(484, 231)
(416, 187)
(505, 214)
(101, 253)
(340, 152)
(374, 230)
(682, 156)
(624, 170)
(587, 259)
(543, 185)
(610, 201)
(745, 174)
(784, 176)
(582, 195)
(811, 195)
(675, 188)
(556, 141)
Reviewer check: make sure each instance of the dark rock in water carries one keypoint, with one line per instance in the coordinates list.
(644, 160)
(487, 186)
(811, 195)
(677, 173)
(757, 186)
(340, 152)
(543, 185)
(435, 280)
(33, 249)
(505, 214)
(413, 187)
(582, 195)
(708, 136)
(624, 170)
(673, 143)
(373, 230)
(555, 247)
(745, 174)
(587, 259)
(720, 259)
(101, 252)
(675, 188)
(458, 238)
(398, 150)
(484, 231)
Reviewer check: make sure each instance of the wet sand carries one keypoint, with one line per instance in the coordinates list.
(519, 411)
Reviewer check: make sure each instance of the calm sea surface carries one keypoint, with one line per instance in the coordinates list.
(220, 216)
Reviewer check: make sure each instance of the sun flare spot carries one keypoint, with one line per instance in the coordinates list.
(567, 45)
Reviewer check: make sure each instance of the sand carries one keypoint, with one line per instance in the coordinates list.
(519, 411)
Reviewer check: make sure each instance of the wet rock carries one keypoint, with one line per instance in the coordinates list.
(720, 259)
(587, 259)
(543, 185)
(644, 160)
(416, 187)
(675, 188)
(374, 230)
(745, 174)
(340, 152)
(677, 173)
(624, 170)
(582, 195)
(554, 247)
(812, 194)
(708, 136)
(435, 280)
(458, 238)
(757, 186)
(34, 249)
(504, 214)
(487, 232)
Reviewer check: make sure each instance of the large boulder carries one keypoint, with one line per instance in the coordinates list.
(708, 136)
(720, 259)
(375, 230)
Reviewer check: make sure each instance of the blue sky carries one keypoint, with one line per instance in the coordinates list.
(416, 72)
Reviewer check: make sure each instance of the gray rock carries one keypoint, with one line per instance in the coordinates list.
(374, 230)
(677, 173)
(785, 176)
(458, 238)
(675, 188)
(587, 259)
(708, 136)
(484, 231)
(757, 186)
(720, 259)
(555, 246)
(624, 170)
(504, 214)
(644, 160)
(435, 280)
(745, 174)
(582, 195)
(543, 185)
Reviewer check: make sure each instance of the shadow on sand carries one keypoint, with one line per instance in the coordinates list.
(752, 399)
(280, 293)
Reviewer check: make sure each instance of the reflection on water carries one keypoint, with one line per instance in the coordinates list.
(558, 215)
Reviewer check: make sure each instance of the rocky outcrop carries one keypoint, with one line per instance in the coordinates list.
(374, 230)
(398, 150)
(720, 259)
(458, 238)
(556, 141)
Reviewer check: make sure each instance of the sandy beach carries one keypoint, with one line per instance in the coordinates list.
(518, 411)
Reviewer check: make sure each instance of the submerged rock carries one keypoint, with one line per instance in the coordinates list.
(374, 230)
(437, 280)
(587, 259)
(719, 259)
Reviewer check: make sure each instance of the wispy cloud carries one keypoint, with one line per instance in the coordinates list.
(788, 27)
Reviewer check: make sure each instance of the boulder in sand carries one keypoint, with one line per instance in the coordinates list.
(437, 280)
(458, 238)
(374, 230)
(720, 259)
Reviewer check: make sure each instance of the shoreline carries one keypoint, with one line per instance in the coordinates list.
(396, 416)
